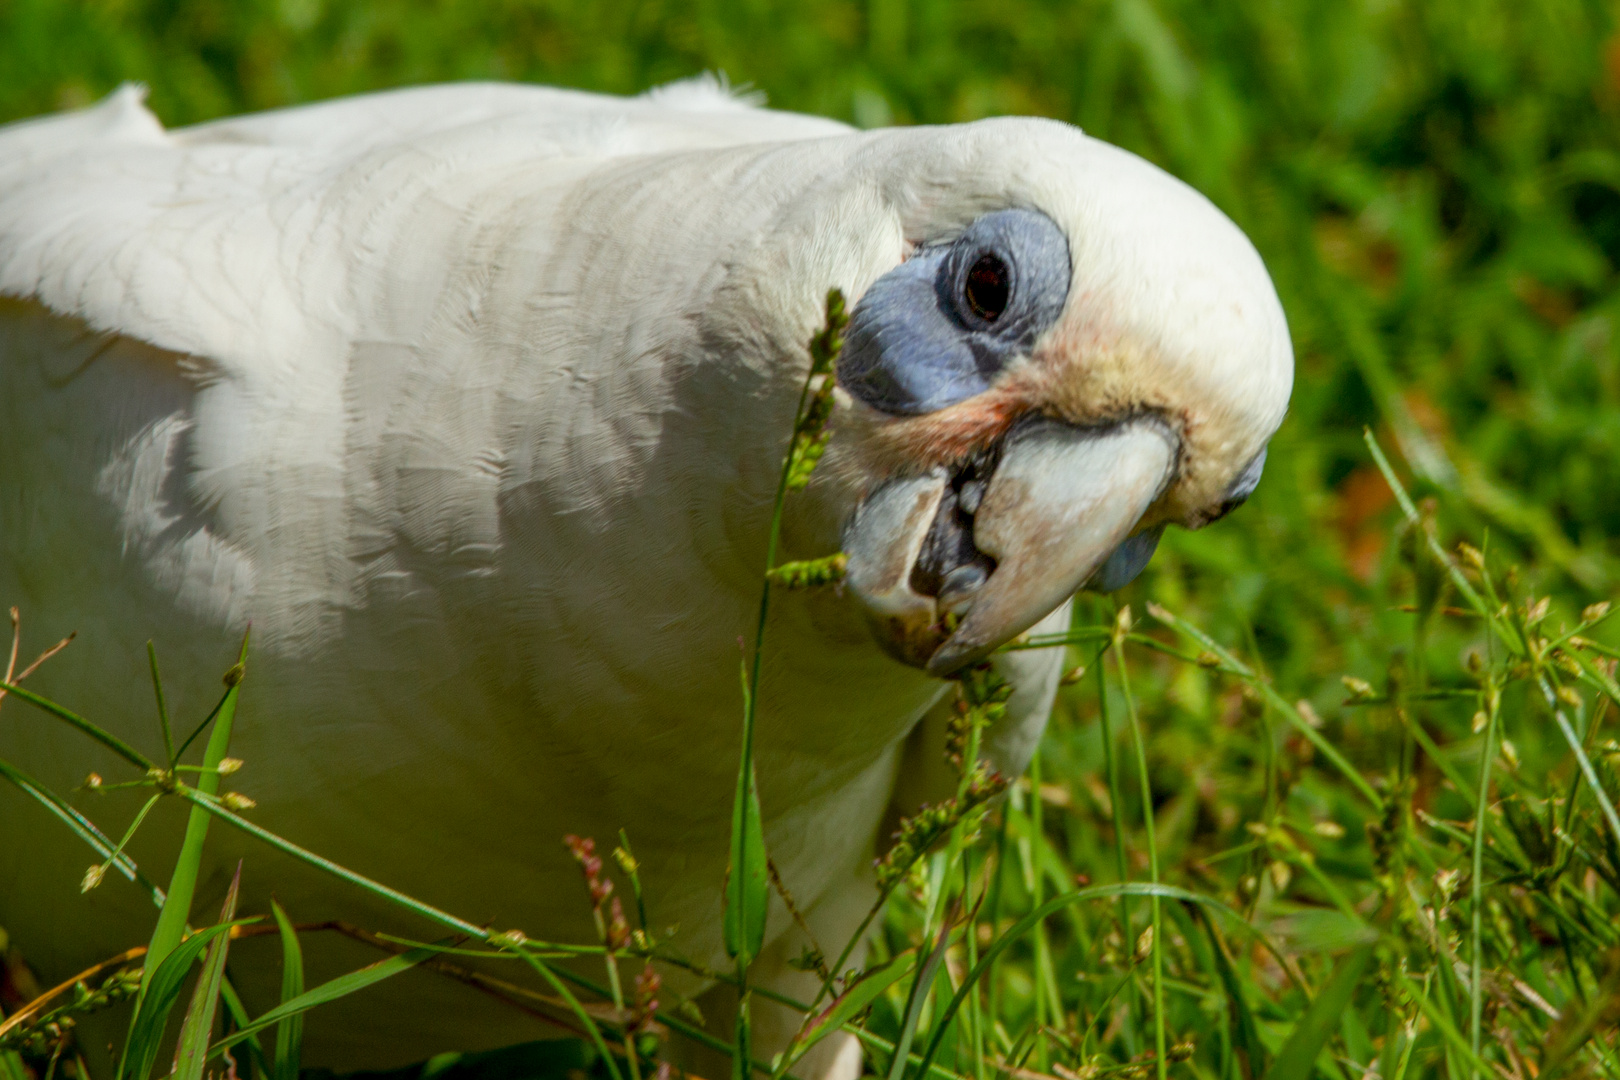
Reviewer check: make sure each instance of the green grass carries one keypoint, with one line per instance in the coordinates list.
(1411, 870)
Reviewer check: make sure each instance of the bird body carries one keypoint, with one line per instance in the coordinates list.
(470, 401)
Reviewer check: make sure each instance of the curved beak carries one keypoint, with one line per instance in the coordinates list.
(1058, 504)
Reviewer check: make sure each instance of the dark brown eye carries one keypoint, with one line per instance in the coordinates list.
(987, 288)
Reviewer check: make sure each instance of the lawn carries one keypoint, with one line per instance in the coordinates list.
(1360, 733)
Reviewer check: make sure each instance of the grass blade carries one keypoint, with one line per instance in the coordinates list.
(197, 1030)
(340, 987)
(239, 1017)
(1246, 1033)
(290, 1032)
(153, 1007)
(1297, 1058)
(845, 1007)
(1581, 759)
(211, 806)
(176, 910)
(748, 886)
(920, 988)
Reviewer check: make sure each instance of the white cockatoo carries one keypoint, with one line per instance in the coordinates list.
(471, 401)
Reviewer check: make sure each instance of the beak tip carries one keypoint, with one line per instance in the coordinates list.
(954, 655)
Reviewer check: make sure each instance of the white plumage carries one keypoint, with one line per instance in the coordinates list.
(471, 399)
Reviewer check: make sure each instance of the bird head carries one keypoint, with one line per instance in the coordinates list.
(1072, 351)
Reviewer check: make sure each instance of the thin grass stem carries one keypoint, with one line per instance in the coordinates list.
(1161, 1063)
(545, 971)
(1117, 808)
(162, 705)
(1476, 997)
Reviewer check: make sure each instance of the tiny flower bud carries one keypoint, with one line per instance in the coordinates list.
(1471, 555)
(1593, 612)
(235, 800)
(93, 781)
(1281, 875)
(1122, 622)
(618, 929)
(229, 765)
(1359, 688)
(1510, 755)
(92, 878)
(1534, 613)
(1307, 712)
(1480, 720)
(1144, 945)
(1568, 696)
(1330, 829)
(234, 675)
(508, 939)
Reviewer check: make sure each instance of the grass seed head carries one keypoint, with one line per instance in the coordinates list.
(1144, 945)
(1308, 713)
(1360, 689)
(644, 1015)
(92, 877)
(1281, 875)
(618, 927)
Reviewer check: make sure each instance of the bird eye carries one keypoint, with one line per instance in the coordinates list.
(987, 287)
(939, 327)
